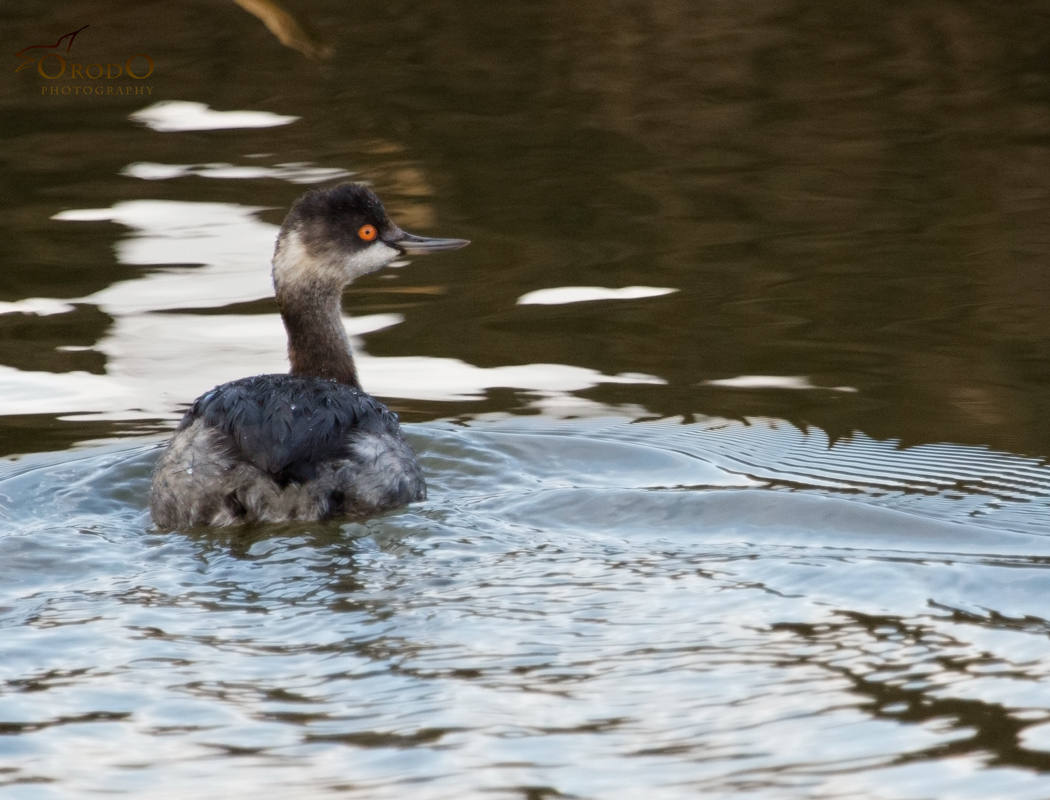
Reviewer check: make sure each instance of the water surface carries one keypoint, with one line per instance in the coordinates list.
(733, 414)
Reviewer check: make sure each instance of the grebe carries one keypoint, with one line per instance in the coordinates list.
(310, 444)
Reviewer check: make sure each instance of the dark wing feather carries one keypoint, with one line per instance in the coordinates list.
(286, 425)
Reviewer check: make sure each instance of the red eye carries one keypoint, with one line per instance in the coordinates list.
(367, 232)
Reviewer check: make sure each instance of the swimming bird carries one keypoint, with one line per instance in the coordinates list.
(310, 444)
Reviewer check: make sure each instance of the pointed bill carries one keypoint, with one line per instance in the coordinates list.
(411, 244)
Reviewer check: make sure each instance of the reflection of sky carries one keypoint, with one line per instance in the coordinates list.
(793, 382)
(294, 172)
(212, 255)
(170, 116)
(585, 294)
(230, 244)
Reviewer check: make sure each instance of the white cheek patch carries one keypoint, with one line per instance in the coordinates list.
(373, 257)
(294, 264)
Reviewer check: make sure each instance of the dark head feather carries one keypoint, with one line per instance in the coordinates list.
(331, 218)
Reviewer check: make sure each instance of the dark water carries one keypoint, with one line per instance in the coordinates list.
(773, 525)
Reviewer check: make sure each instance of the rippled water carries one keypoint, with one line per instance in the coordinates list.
(733, 414)
(586, 609)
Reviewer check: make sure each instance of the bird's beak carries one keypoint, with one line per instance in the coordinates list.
(411, 244)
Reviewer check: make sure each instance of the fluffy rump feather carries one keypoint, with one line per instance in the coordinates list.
(283, 447)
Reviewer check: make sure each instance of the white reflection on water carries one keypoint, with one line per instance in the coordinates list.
(608, 608)
(232, 246)
(794, 382)
(1036, 738)
(582, 294)
(41, 306)
(158, 362)
(164, 361)
(293, 172)
(426, 378)
(169, 116)
(24, 392)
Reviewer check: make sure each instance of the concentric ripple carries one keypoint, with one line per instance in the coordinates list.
(591, 609)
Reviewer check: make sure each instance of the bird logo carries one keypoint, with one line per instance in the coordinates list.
(30, 60)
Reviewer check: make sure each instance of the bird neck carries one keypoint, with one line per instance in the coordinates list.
(317, 342)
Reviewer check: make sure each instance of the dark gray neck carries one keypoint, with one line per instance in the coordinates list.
(317, 342)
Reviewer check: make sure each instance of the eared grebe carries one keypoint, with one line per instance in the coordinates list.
(310, 444)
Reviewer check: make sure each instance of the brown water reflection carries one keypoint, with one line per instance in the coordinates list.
(849, 192)
(843, 196)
